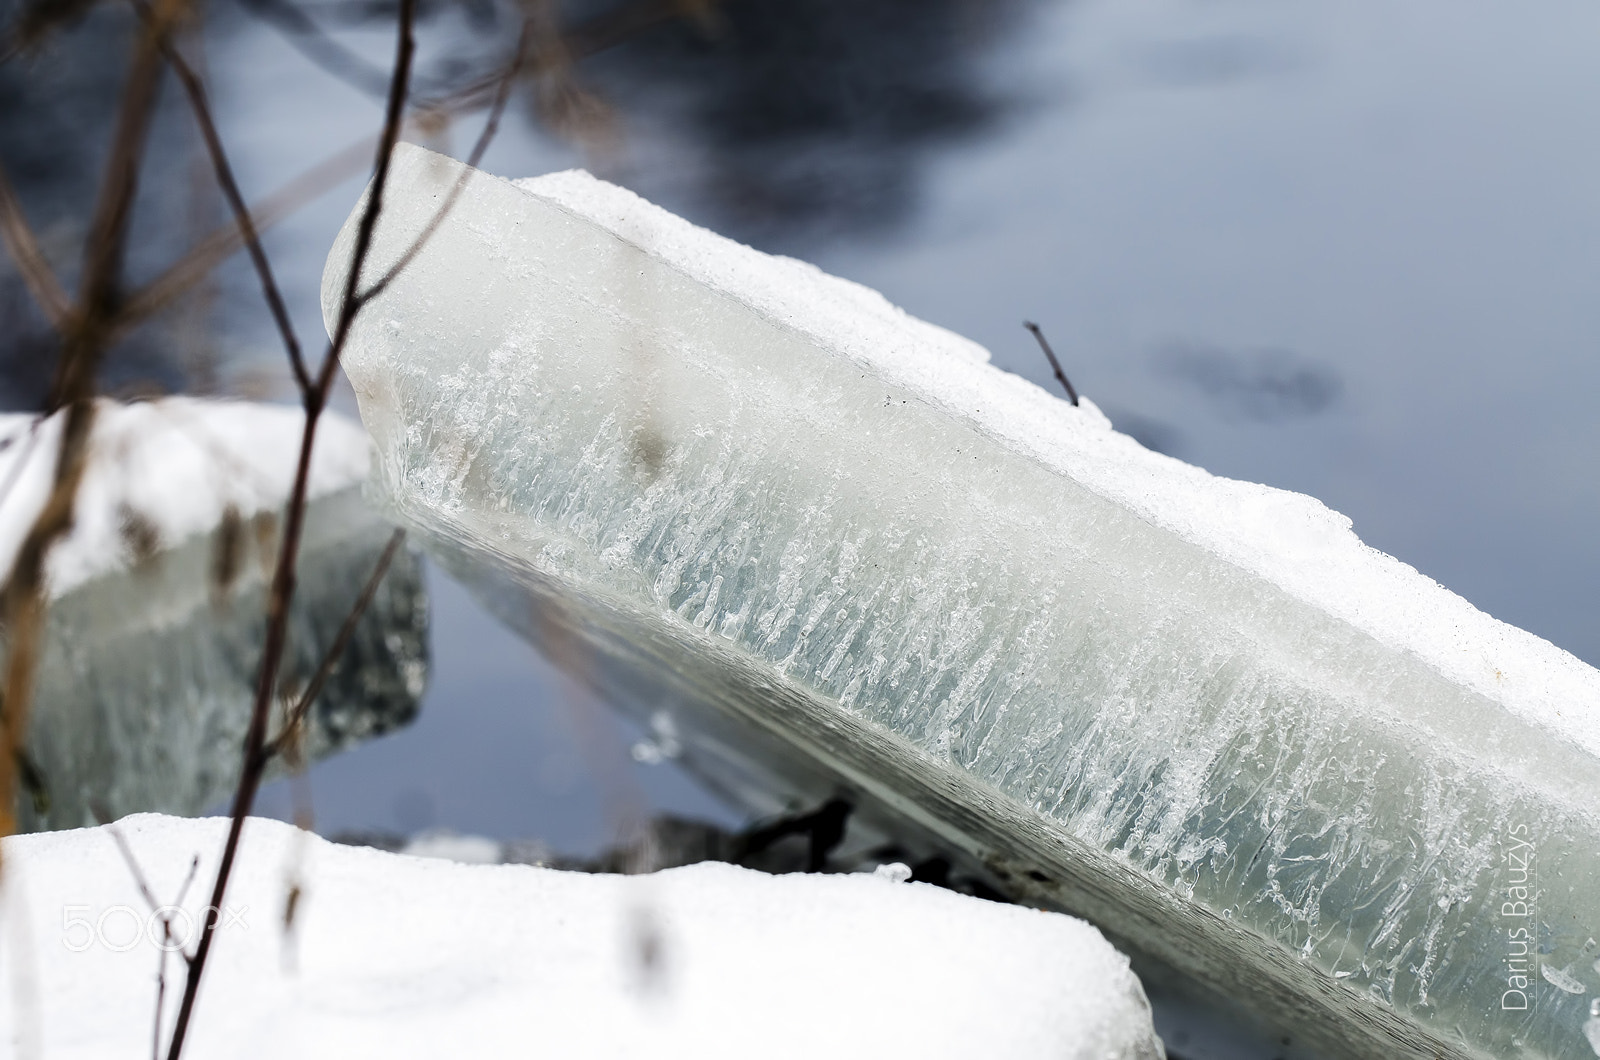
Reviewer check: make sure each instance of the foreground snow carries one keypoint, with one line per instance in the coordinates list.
(394, 956)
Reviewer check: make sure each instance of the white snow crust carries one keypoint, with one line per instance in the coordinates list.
(176, 463)
(394, 956)
(1290, 539)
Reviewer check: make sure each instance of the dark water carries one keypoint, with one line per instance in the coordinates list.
(1351, 251)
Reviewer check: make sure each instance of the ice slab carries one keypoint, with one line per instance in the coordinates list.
(159, 597)
(400, 957)
(852, 557)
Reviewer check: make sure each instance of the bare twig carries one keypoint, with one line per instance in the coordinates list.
(24, 248)
(156, 909)
(22, 601)
(491, 125)
(170, 285)
(1055, 365)
(330, 660)
(312, 41)
(196, 92)
(315, 399)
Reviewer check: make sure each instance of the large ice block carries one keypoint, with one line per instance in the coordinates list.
(158, 605)
(851, 556)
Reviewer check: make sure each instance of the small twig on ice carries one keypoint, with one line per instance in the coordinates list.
(1072, 395)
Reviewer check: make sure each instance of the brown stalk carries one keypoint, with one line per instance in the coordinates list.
(595, 35)
(22, 600)
(216, 248)
(145, 891)
(24, 248)
(288, 736)
(1055, 365)
(491, 125)
(196, 92)
(315, 399)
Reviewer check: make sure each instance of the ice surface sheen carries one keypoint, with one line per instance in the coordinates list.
(158, 613)
(849, 552)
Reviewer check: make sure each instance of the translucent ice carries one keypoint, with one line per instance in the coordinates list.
(156, 623)
(847, 555)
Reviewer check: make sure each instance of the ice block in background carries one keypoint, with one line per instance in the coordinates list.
(158, 602)
(853, 557)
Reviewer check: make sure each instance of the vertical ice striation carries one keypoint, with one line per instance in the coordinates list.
(848, 552)
(158, 603)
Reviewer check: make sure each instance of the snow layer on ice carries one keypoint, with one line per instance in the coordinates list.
(176, 464)
(1292, 540)
(394, 957)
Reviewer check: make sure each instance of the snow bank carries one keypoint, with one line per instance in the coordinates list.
(1290, 539)
(394, 957)
(173, 464)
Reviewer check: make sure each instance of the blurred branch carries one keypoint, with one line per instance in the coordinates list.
(24, 248)
(168, 287)
(301, 30)
(164, 914)
(288, 735)
(314, 398)
(593, 35)
(1055, 365)
(230, 191)
(491, 125)
(22, 600)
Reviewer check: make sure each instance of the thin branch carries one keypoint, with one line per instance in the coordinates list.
(330, 660)
(283, 585)
(230, 190)
(593, 35)
(312, 41)
(149, 896)
(1055, 365)
(219, 246)
(22, 601)
(24, 248)
(139, 879)
(491, 125)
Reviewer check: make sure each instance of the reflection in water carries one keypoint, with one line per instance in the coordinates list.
(796, 120)
(147, 677)
(1268, 385)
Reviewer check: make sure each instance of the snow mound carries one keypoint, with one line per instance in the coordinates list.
(394, 956)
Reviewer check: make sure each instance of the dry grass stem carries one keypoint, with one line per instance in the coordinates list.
(24, 247)
(196, 93)
(22, 600)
